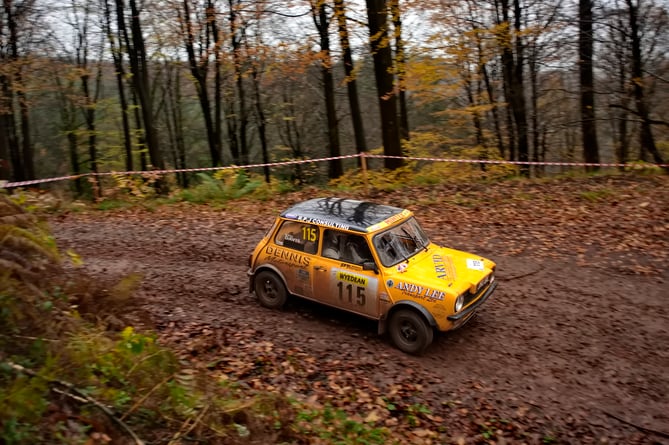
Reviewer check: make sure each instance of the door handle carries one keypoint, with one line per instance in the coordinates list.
(321, 268)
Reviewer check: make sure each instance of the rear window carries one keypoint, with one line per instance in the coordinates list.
(298, 236)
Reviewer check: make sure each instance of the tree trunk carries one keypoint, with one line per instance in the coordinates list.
(518, 88)
(588, 122)
(322, 22)
(26, 143)
(140, 78)
(5, 164)
(476, 117)
(8, 133)
(262, 122)
(73, 149)
(89, 116)
(291, 136)
(198, 69)
(141, 141)
(178, 120)
(69, 127)
(400, 61)
(621, 116)
(236, 41)
(218, 103)
(536, 132)
(483, 72)
(174, 119)
(20, 149)
(506, 60)
(351, 83)
(234, 115)
(5, 128)
(383, 64)
(117, 57)
(622, 143)
(89, 102)
(647, 139)
(513, 77)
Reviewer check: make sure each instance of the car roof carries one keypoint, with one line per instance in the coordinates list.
(346, 214)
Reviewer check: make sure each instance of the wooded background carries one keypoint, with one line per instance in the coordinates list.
(102, 85)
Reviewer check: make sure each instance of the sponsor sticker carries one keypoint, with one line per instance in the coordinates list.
(323, 222)
(388, 221)
(443, 267)
(417, 291)
(303, 274)
(352, 278)
(475, 264)
(287, 256)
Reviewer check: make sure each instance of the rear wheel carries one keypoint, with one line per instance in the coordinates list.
(410, 332)
(270, 290)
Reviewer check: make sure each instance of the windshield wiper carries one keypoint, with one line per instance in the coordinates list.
(413, 238)
(421, 243)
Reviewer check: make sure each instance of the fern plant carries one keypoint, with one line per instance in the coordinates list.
(26, 249)
(28, 255)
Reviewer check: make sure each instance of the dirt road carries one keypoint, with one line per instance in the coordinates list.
(573, 346)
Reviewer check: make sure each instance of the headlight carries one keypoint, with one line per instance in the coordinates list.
(459, 302)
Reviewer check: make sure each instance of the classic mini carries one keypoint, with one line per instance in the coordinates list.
(373, 260)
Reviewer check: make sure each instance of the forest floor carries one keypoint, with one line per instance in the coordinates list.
(572, 347)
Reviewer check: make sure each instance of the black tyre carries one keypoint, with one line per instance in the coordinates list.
(410, 332)
(270, 290)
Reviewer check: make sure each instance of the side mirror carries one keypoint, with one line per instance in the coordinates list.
(370, 265)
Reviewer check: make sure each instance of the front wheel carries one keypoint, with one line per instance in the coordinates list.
(270, 290)
(410, 332)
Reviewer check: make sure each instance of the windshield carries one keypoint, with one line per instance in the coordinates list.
(400, 243)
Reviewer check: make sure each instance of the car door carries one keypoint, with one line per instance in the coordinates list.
(339, 279)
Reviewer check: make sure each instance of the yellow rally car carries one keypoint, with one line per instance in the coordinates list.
(373, 260)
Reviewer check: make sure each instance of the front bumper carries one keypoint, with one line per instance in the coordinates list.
(470, 310)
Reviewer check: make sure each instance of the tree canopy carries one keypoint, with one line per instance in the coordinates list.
(96, 85)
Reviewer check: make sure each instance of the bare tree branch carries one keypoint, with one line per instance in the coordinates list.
(634, 112)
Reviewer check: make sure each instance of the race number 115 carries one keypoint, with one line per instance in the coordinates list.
(346, 293)
(309, 233)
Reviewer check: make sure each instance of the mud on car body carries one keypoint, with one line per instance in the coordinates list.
(374, 260)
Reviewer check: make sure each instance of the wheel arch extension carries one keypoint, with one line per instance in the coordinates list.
(406, 304)
(269, 268)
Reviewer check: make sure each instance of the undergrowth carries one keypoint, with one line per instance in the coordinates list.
(74, 370)
(217, 189)
(420, 173)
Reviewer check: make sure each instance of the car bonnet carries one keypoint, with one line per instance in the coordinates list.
(441, 269)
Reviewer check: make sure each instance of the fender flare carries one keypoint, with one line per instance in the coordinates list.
(270, 267)
(402, 304)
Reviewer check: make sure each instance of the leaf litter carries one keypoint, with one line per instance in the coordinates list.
(554, 357)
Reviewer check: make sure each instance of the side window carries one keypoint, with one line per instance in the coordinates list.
(332, 244)
(356, 250)
(346, 247)
(298, 236)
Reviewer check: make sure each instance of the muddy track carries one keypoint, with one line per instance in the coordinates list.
(579, 349)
